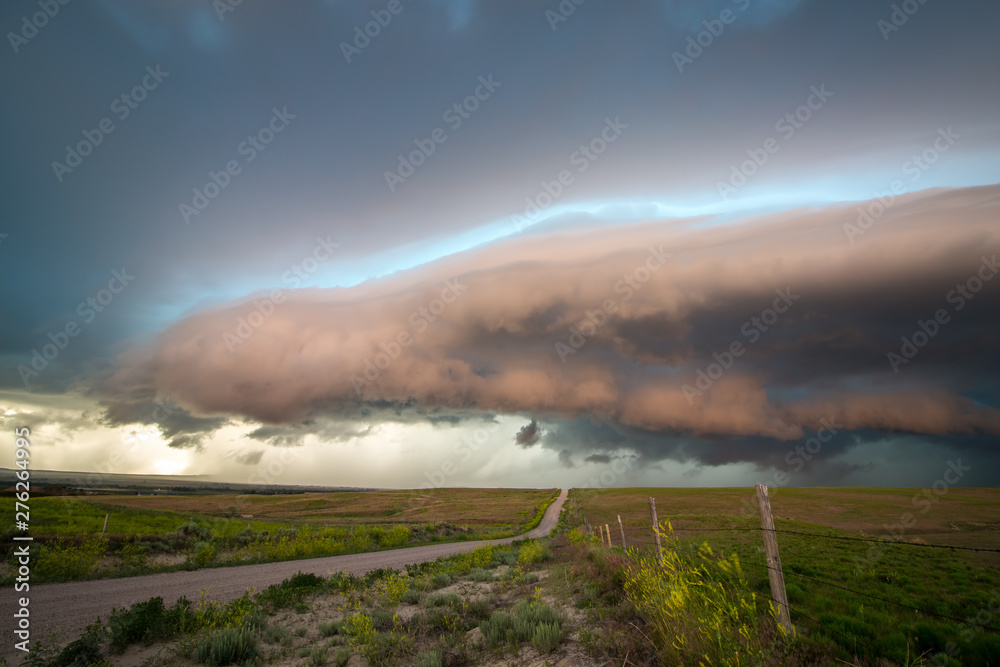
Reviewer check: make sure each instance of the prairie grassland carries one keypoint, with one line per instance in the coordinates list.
(148, 534)
(961, 517)
(464, 507)
(886, 571)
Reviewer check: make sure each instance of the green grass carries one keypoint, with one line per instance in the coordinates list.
(143, 528)
(959, 584)
(73, 516)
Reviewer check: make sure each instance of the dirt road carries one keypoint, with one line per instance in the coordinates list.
(67, 608)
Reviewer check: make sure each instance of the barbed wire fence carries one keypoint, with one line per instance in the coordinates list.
(642, 533)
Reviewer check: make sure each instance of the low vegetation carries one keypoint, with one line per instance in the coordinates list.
(69, 546)
(570, 600)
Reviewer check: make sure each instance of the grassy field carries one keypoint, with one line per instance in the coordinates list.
(570, 600)
(464, 507)
(76, 516)
(147, 534)
(962, 517)
(963, 585)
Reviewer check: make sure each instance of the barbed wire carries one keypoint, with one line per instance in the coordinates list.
(874, 597)
(831, 537)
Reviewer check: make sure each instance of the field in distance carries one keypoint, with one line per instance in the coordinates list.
(147, 534)
(958, 516)
(462, 507)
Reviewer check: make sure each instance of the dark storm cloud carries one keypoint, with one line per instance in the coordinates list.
(179, 427)
(566, 459)
(813, 335)
(528, 435)
(325, 429)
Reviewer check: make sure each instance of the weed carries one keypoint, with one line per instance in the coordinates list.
(342, 657)
(227, 647)
(430, 659)
(64, 560)
(387, 648)
(440, 580)
(444, 600)
(277, 635)
(317, 656)
(330, 629)
(699, 606)
(546, 637)
(481, 575)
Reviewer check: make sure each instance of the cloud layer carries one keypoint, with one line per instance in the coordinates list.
(761, 328)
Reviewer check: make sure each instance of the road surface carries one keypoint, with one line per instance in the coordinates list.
(67, 608)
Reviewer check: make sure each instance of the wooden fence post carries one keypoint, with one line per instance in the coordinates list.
(656, 528)
(105, 523)
(774, 572)
(607, 529)
(622, 529)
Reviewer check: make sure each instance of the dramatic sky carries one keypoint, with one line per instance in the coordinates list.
(470, 243)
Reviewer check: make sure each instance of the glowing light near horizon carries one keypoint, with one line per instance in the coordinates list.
(163, 467)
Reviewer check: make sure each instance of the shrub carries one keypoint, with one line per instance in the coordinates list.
(277, 635)
(444, 600)
(317, 656)
(412, 596)
(68, 561)
(430, 659)
(387, 648)
(505, 557)
(291, 590)
(301, 631)
(440, 580)
(330, 629)
(360, 629)
(133, 556)
(204, 554)
(531, 552)
(441, 619)
(479, 608)
(227, 646)
(546, 637)
(397, 536)
(342, 657)
(480, 575)
(521, 624)
(82, 652)
(382, 620)
(498, 629)
(148, 621)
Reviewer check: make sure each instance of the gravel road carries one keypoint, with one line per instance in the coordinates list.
(67, 608)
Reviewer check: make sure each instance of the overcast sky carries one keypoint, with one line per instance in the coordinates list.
(462, 243)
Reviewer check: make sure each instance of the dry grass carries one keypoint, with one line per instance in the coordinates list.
(468, 507)
(962, 516)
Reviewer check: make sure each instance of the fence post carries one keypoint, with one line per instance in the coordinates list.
(774, 573)
(105, 523)
(656, 527)
(607, 529)
(622, 529)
